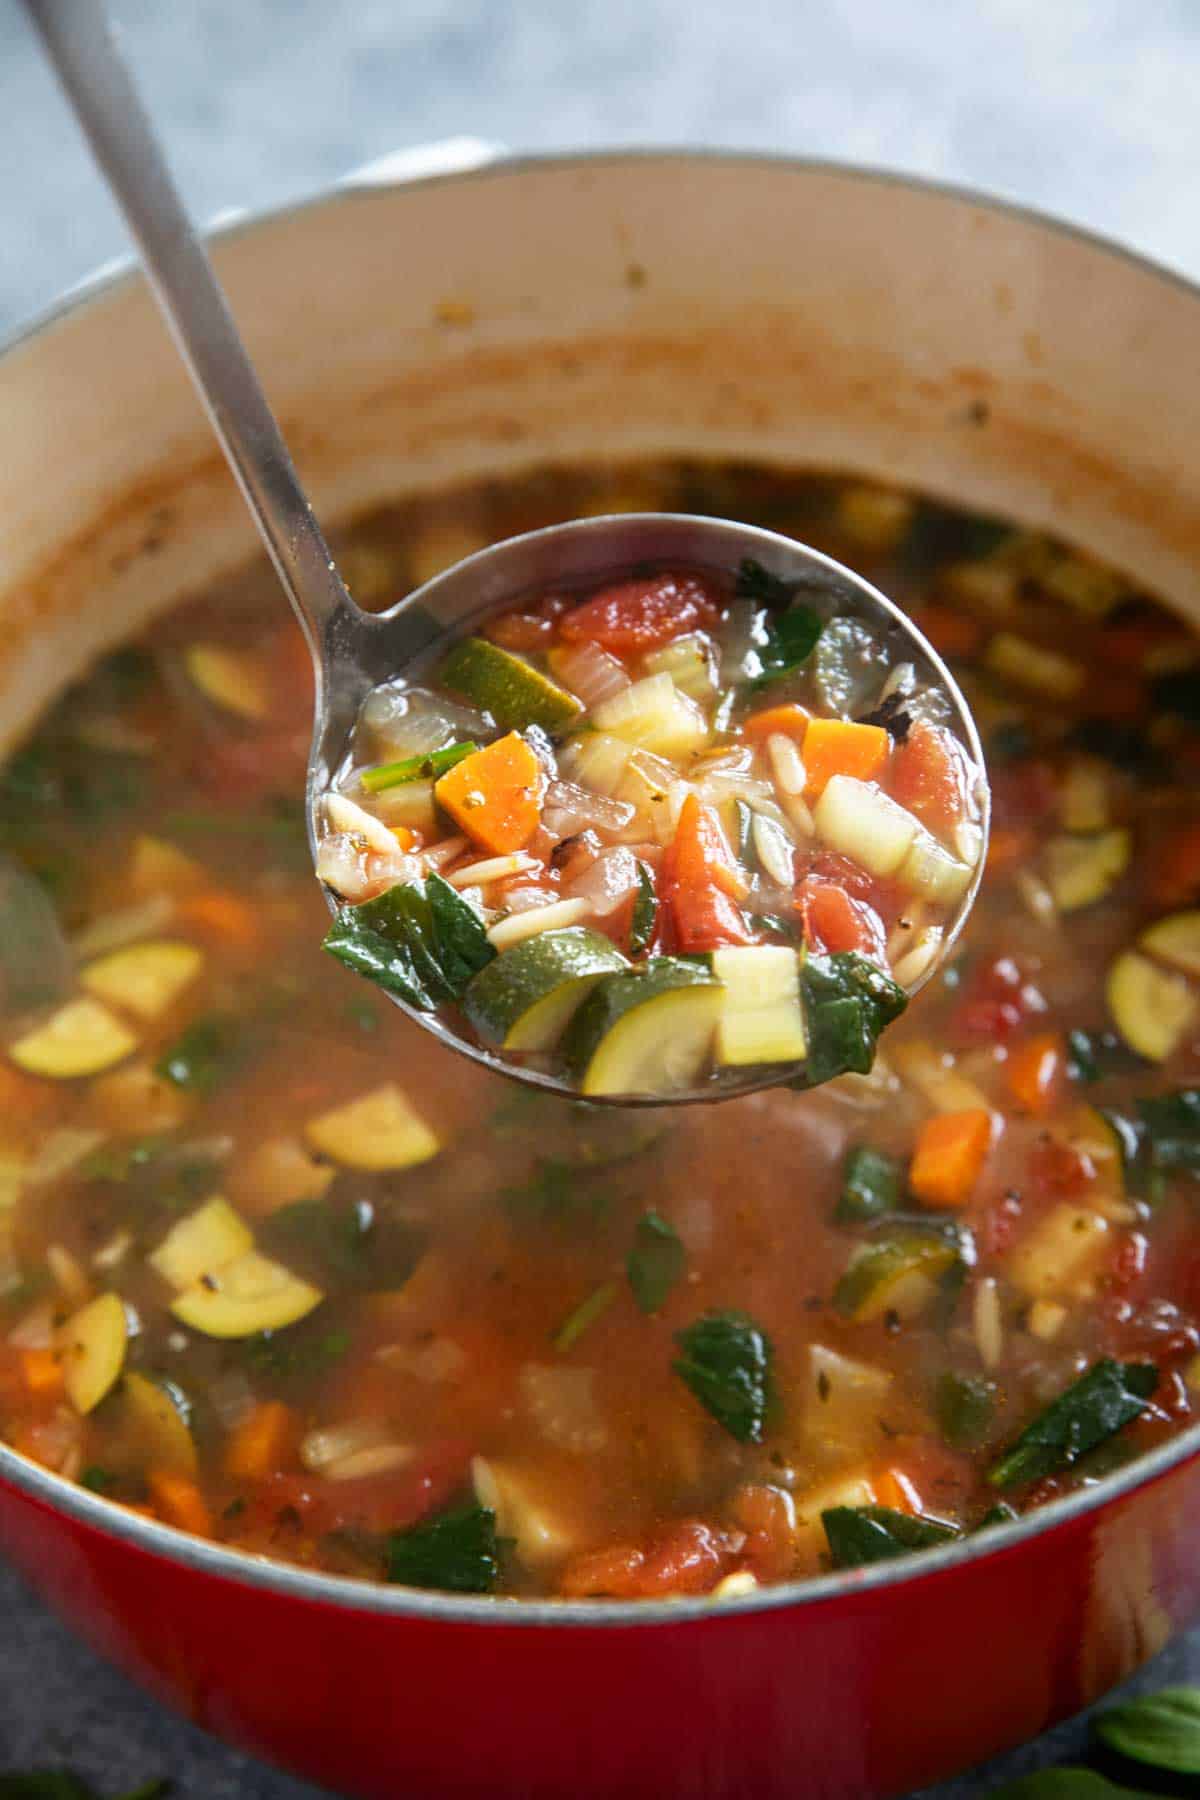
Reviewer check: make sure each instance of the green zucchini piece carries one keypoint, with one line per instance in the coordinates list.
(900, 1275)
(870, 1185)
(512, 690)
(646, 1032)
(527, 996)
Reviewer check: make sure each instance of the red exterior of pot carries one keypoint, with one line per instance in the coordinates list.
(881, 1686)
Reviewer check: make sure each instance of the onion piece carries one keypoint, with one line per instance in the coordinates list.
(114, 930)
(562, 1405)
(589, 672)
(606, 882)
(569, 808)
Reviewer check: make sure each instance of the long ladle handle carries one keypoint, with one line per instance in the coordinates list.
(79, 39)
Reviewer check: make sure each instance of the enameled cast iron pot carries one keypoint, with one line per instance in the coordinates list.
(418, 332)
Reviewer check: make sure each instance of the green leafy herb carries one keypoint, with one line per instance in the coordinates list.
(421, 941)
(847, 1001)
(1171, 1123)
(1109, 1396)
(1161, 1729)
(726, 1363)
(99, 1480)
(645, 913)
(963, 1406)
(656, 1261)
(556, 1193)
(585, 1315)
(1094, 1055)
(870, 1185)
(941, 534)
(790, 640)
(869, 1534)
(1000, 1514)
(416, 768)
(457, 1552)
(294, 1355)
(207, 1053)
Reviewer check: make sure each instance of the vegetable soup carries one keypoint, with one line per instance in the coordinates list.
(278, 1270)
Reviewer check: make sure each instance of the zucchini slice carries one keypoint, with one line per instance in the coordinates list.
(527, 996)
(901, 1275)
(232, 679)
(1082, 870)
(1175, 940)
(92, 1345)
(81, 1038)
(512, 690)
(377, 1131)
(145, 979)
(202, 1242)
(149, 1429)
(762, 1020)
(1154, 1009)
(647, 1032)
(251, 1294)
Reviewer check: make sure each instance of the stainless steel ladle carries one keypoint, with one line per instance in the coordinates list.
(353, 651)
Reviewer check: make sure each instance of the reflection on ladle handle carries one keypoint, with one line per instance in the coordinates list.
(84, 53)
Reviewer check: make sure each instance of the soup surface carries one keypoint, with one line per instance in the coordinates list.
(659, 833)
(277, 1270)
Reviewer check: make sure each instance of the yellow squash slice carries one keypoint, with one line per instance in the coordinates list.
(249, 1295)
(230, 678)
(81, 1038)
(92, 1345)
(377, 1131)
(1154, 1009)
(203, 1242)
(145, 979)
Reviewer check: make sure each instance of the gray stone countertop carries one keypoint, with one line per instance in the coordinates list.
(1086, 108)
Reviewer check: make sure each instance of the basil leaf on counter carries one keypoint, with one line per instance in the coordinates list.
(1161, 1729)
(1066, 1784)
(726, 1363)
(1108, 1396)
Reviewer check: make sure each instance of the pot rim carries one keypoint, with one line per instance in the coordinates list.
(353, 1594)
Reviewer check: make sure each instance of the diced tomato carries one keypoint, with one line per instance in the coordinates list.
(952, 633)
(642, 615)
(833, 921)
(997, 1001)
(1060, 1170)
(929, 774)
(689, 1558)
(1129, 1261)
(828, 867)
(997, 1227)
(700, 882)
(1023, 792)
(245, 769)
(373, 1503)
(530, 630)
(1175, 868)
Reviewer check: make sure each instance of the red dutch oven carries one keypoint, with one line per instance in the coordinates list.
(418, 332)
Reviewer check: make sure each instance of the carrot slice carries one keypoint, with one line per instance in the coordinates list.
(494, 794)
(1034, 1072)
(949, 1157)
(225, 915)
(790, 721)
(178, 1501)
(43, 1374)
(702, 880)
(895, 1489)
(952, 633)
(260, 1442)
(841, 747)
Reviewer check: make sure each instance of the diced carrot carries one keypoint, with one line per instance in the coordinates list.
(43, 1374)
(949, 1156)
(1008, 847)
(701, 881)
(929, 776)
(642, 614)
(834, 921)
(894, 1488)
(1034, 1071)
(951, 633)
(23, 1097)
(260, 1443)
(227, 916)
(841, 747)
(1175, 869)
(404, 837)
(790, 721)
(495, 794)
(178, 1501)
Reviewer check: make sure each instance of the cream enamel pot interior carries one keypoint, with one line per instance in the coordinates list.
(412, 334)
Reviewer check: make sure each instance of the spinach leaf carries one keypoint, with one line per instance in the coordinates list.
(1094, 1055)
(1172, 1127)
(585, 1315)
(421, 941)
(1065, 1784)
(656, 1261)
(870, 1185)
(726, 1363)
(416, 768)
(645, 913)
(940, 534)
(790, 641)
(358, 941)
(457, 1552)
(755, 583)
(207, 1053)
(1161, 1729)
(98, 1479)
(1110, 1395)
(295, 1354)
(460, 936)
(869, 1534)
(1000, 1514)
(847, 1003)
(963, 1406)
(557, 1193)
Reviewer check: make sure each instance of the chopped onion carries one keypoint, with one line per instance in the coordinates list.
(524, 899)
(343, 867)
(231, 1398)
(569, 808)
(590, 672)
(333, 1443)
(562, 1404)
(396, 722)
(607, 881)
(743, 631)
(35, 1330)
(113, 930)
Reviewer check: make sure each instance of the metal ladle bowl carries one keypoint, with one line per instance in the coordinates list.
(354, 651)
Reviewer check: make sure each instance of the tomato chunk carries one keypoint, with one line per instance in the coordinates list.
(632, 616)
(690, 1558)
(701, 881)
(834, 920)
(928, 776)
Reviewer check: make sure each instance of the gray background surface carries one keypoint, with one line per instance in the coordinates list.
(1087, 108)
